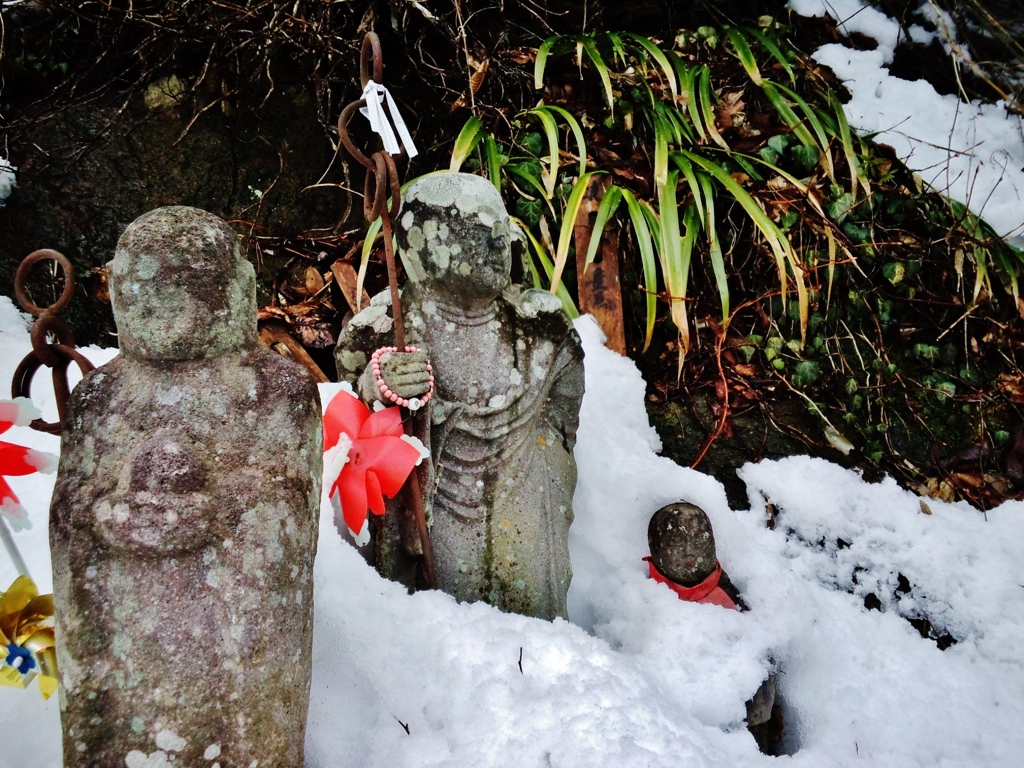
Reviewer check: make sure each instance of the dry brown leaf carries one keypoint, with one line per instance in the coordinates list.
(314, 281)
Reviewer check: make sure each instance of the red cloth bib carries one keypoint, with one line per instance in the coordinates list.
(707, 591)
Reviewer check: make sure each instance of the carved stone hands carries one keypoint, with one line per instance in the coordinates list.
(407, 374)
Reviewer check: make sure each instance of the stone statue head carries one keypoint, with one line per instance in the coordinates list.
(454, 237)
(180, 288)
(682, 543)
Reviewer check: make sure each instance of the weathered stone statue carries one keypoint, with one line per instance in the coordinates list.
(184, 520)
(683, 557)
(501, 423)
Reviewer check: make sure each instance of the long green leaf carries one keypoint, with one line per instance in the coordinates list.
(618, 48)
(572, 207)
(746, 56)
(551, 131)
(647, 259)
(773, 235)
(659, 56)
(609, 204)
(846, 137)
(465, 142)
(533, 182)
(708, 108)
(493, 161)
(688, 83)
(661, 142)
(545, 261)
(691, 179)
(542, 60)
(824, 142)
(714, 246)
(577, 132)
(774, 50)
(675, 259)
(602, 69)
(788, 116)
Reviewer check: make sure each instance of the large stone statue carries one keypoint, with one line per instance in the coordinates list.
(501, 423)
(184, 520)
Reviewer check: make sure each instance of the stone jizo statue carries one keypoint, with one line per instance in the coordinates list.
(507, 377)
(683, 557)
(184, 520)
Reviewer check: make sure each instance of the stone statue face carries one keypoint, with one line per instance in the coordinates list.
(682, 543)
(454, 237)
(180, 288)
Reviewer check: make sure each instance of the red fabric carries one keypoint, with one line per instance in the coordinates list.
(707, 592)
(13, 462)
(379, 461)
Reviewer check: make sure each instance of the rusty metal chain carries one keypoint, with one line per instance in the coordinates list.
(57, 355)
(381, 178)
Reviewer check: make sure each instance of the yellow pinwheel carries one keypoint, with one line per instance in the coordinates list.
(26, 637)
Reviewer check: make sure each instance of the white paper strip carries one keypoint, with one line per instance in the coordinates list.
(375, 93)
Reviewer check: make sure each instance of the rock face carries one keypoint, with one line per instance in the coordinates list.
(682, 543)
(502, 421)
(184, 519)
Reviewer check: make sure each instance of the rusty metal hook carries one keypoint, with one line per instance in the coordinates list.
(382, 177)
(57, 355)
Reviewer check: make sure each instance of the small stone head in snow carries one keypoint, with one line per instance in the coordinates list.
(184, 519)
(180, 287)
(682, 543)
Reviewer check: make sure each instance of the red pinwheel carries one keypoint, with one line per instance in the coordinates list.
(18, 460)
(380, 457)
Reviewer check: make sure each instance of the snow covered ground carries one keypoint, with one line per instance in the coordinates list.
(972, 152)
(639, 678)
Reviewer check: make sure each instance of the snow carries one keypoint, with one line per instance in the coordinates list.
(7, 179)
(972, 152)
(639, 678)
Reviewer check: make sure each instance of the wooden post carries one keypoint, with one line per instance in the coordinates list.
(599, 286)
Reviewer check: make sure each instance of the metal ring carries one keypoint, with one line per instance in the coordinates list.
(371, 50)
(373, 206)
(46, 324)
(21, 386)
(22, 275)
(346, 140)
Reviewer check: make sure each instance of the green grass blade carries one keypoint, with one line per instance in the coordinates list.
(533, 182)
(659, 56)
(493, 161)
(572, 207)
(774, 50)
(846, 137)
(618, 48)
(823, 140)
(364, 258)
(714, 245)
(675, 258)
(647, 260)
(577, 132)
(707, 107)
(690, 175)
(568, 306)
(465, 142)
(661, 141)
(542, 60)
(688, 84)
(743, 52)
(551, 132)
(602, 69)
(773, 235)
(787, 115)
(609, 204)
